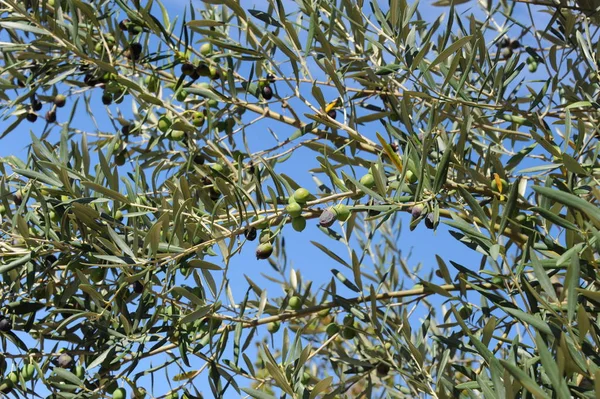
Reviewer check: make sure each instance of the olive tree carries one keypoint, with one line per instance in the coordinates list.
(163, 145)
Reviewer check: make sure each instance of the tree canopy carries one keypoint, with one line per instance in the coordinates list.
(163, 145)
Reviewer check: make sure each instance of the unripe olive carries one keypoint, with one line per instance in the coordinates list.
(266, 236)
(532, 67)
(299, 223)
(348, 333)
(301, 195)
(410, 177)
(367, 180)
(295, 303)
(119, 393)
(177, 135)
(28, 371)
(332, 329)
(119, 215)
(496, 187)
(294, 209)
(13, 377)
(206, 49)
(164, 124)
(306, 377)
(342, 212)
(181, 95)
(263, 251)
(198, 119)
(273, 327)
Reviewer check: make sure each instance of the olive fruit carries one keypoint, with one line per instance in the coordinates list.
(60, 100)
(273, 327)
(51, 116)
(515, 44)
(5, 325)
(301, 195)
(151, 83)
(206, 49)
(202, 69)
(332, 114)
(36, 105)
(181, 95)
(250, 233)
(348, 333)
(135, 50)
(410, 177)
(13, 377)
(198, 119)
(532, 67)
(506, 52)
(80, 372)
(199, 159)
(264, 250)
(6, 386)
(164, 124)
(120, 158)
(18, 198)
(327, 218)
(332, 329)
(138, 287)
(107, 98)
(32, 117)
(119, 393)
(416, 211)
(502, 187)
(306, 377)
(97, 275)
(429, 222)
(267, 92)
(383, 369)
(64, 360)
(119, 216)
(342, 212)
(266, 236)
(214, 73)
(367, 180)
(177, 135)
(295, 303)
(188, 68)
(2, 209)
(294, 209)
(299, 223)
(28, 371)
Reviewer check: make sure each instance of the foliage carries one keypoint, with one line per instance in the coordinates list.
(162, 147)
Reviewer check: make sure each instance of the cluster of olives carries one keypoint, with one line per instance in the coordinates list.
(59, 101)
(418, 212)
(532, 64)
(347, 330)
(507, 47)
